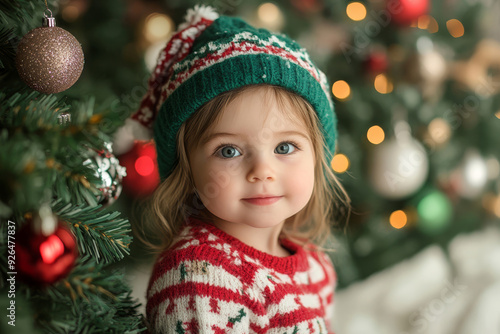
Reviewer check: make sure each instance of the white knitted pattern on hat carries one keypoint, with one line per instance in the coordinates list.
(195, 14)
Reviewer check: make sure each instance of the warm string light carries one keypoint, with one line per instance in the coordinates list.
(496, 206)
(382, 84)
(398, 219)
(439, 131)
(356, 11)
(157, 27)
(491, 202)
(455, 28)
(270, 16)
(497, 114)
(375, 135)
(341, 90)
(427, 22)
(70, 13)
(340, 163)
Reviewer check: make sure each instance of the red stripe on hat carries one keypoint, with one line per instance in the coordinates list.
(229, 52)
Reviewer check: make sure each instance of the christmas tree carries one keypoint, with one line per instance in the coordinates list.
(416, 87)
(60, 244)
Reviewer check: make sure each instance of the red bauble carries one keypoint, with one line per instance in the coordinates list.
(308, 6)
(44, 259)
(405, 12)
(142, 169)
(376, 63)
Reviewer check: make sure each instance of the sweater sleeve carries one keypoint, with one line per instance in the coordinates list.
(198, 296)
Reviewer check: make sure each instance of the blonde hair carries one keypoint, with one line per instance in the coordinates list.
(175, 200)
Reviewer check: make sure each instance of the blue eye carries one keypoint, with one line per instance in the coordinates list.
(285, 148)
(229, 152)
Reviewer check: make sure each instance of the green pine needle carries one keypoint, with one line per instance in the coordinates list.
(100, 234)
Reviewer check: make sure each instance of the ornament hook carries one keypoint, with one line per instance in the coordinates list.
(48, 21)
(45, 13)
(64, 118)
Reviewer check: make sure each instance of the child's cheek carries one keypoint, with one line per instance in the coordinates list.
(301, 182)
(218, 178)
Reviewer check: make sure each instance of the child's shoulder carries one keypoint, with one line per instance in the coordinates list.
(198, 246)
(198, 256)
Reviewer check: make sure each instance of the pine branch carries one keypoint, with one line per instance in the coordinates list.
(24, 13)
(100, 234)
(8, 44)
(93, 299)
(31, 111)
(24, 177)
(61, 156)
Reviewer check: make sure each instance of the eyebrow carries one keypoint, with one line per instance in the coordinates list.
(213, 136)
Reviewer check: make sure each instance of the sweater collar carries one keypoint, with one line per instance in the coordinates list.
(297, 261)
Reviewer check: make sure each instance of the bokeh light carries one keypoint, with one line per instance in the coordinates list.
(70, 13)
(382, 84)
(439, 131)
(455, 28)
(341, 90)
(375, 135)
(434, 211)
(144, 165)
(356, 11)
(428, 23)
(398, 219)
(340, 163)
(157, 27)
(270, 16)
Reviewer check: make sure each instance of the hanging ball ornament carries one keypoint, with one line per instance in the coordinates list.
(405, 12)
(435, 211)
(49, 59)
(45, 249)
(376, 62)
(471, 177)
(142, 169)
(398, 167)
(109, 172)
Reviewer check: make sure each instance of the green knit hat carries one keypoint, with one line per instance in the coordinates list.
(212, 54)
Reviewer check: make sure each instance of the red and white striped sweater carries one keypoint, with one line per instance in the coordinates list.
(210, 282)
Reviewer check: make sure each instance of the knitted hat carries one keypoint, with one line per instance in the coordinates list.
(212, 54)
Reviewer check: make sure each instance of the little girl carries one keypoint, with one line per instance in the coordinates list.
(244, 129)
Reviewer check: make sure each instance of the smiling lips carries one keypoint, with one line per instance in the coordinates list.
(264, 200)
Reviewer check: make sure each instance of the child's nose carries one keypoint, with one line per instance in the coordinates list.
(261, 169)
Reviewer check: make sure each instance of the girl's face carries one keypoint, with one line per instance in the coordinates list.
(256, 167)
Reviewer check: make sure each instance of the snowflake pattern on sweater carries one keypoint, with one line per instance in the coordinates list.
(210, 282)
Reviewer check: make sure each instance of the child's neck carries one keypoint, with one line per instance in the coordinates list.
(264, 239)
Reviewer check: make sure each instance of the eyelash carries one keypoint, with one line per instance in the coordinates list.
(297, 147)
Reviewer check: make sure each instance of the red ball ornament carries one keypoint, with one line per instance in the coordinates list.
(142, 169)
(376, 63)
(405, 12)
(44, 259)
(308, 6)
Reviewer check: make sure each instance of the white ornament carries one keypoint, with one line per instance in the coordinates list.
(472, 175)
(398, 168)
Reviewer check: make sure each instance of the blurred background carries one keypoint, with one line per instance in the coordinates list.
(416, 85)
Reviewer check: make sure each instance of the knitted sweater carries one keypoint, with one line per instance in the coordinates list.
(210, 282)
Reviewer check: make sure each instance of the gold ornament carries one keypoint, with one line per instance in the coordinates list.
(49, 59)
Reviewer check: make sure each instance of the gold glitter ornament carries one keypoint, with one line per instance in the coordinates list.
(49, 59)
